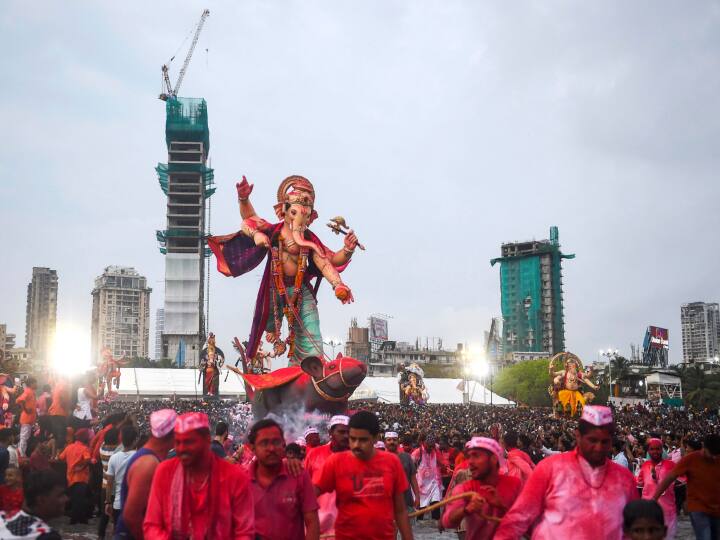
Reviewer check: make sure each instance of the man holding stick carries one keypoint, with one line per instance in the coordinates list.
(493, 493)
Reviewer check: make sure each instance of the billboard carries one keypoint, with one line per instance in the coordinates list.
(378, 329)
(658, 337)
(655, 347)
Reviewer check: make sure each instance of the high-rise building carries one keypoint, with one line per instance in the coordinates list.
(188, 183)
(700, 324)
(159, 327)
(41, 313)
(120, 314)
(531, 295)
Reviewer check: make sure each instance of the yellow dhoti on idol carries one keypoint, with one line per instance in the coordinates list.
(569, 399)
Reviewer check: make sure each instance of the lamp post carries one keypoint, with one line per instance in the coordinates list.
(465, 371)
(609, 354)
(333, 343)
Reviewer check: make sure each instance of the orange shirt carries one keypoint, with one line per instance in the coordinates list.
(74, 454)
(703, 479)
(59, 400)
(29, 406)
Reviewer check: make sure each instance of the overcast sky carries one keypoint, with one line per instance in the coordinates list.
(438, 129)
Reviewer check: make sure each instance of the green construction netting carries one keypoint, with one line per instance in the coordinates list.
(521, 303)
(187, 120)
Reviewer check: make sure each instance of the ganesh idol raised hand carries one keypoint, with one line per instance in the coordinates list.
(296, 263)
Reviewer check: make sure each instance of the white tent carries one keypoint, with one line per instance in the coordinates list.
(183, 383)
(157, 382)
(441, 391)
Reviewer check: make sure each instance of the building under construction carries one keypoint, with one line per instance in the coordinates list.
(188, 183)
(531, 296)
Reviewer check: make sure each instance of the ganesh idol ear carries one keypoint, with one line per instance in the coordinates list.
(313, 366)
(279, 212)
(312, 217)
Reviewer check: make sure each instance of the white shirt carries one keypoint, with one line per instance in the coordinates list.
(621, 459)
(13, 456)
(116, 469)
(84, 407)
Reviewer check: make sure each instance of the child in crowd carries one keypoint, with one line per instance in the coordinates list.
(11, 492)
(643, 520)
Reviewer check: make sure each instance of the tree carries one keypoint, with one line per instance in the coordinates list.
(139, 362)
(525, 383)
(619, 372)
(167, 363)
(701, 390)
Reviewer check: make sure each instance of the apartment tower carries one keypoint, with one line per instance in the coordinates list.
(700, 324)
(41, 314)
(120, 314)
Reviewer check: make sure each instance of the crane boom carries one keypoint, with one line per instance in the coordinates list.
(203, 17)
(168, 90)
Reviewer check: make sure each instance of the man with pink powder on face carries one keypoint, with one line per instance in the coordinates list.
(651, 473)
(578, 494)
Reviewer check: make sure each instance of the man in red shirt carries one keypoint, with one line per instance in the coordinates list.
(495, 492)
(28, 416)
(369, 486)
(198, 495)
(314, 461)
(278, 495)
(519, 463)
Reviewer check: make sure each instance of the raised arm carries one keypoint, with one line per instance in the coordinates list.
(244, 189)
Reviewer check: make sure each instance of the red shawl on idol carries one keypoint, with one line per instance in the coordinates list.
(237, 254)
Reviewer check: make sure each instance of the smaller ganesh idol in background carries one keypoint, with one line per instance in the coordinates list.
(566, 383)
(211, 360)
(412, 386)
(297, 261)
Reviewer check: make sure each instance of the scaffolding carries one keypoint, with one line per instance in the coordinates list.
(188, 183)
(531, 295)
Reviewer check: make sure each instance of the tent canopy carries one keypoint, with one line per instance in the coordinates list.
(158, 382)
(440, 390)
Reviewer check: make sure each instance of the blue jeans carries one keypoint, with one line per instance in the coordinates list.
(705, 526)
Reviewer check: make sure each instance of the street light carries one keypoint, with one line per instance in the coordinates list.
(609, 354)
(333, 343)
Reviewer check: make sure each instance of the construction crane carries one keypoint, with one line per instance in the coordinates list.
(168, 90)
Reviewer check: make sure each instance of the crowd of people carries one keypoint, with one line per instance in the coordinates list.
(205, 469)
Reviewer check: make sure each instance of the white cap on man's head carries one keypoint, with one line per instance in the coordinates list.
(310, 431)
(391, 435)
(597, 415)
(339, 419)
(162, 422)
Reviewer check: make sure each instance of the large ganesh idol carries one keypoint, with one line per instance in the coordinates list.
(297, 262)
